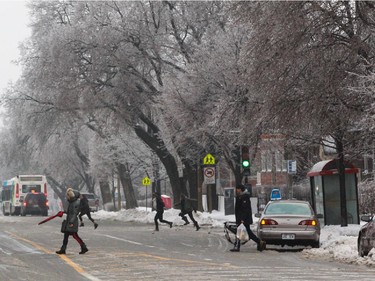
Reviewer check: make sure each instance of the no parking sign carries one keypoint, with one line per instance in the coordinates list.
(209, 175)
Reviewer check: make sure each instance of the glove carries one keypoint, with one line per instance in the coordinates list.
(60, 214)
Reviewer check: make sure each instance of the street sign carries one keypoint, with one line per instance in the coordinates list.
(209, 175)
(209, 160)
(146, 181)
(292, 166)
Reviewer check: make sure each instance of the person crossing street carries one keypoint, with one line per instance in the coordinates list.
(158, 204)
(187, 209)
(244, 215)
(85, 210)
(70, 224)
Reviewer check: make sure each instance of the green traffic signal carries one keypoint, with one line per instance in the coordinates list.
(246, 163)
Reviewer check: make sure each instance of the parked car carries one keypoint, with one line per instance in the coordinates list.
(35, 203)
(366, 235)
(93, 201)
(289, 222)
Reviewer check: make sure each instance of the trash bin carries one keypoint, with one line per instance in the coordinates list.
(167, 201)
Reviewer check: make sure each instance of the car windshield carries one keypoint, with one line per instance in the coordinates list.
(36, 197)
(288, 209)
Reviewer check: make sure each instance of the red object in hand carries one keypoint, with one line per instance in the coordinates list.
(59, 214)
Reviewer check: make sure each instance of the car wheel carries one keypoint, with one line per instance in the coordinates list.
(361, 250)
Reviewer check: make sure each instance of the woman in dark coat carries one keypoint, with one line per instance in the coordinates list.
(159, 206)
(85, 210)
(70, 227)
(244, 215)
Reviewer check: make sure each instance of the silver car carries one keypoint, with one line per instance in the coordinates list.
(289, 222)
(366, 235)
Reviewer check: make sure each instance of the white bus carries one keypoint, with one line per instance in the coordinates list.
(13, 191)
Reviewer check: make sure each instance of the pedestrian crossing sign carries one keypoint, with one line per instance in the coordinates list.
(209, 160)
(146, 181)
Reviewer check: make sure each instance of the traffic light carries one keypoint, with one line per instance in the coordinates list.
(245, 159)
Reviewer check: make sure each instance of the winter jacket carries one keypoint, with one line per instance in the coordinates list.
(159, 204)
(72, 213)
(186, 206)
(84, 207)
(243, 209)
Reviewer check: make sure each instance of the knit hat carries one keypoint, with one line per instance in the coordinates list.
(70, 193)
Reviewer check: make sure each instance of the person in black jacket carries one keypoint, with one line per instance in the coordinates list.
(85, 210)
(158, 204)
(70, 224)
(187, 209)
(244, 215)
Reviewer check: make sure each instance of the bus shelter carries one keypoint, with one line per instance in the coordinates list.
(325, 192)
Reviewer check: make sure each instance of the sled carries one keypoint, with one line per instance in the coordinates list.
(230, 230)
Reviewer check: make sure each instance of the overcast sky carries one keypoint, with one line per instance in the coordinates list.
(14, 21)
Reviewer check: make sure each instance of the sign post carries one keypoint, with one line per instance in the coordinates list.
(146, 182)
(292, 170)
(209, 179)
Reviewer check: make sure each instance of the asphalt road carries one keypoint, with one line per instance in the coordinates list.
(133, 251)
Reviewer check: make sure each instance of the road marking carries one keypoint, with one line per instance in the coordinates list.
(129, 241)
(75, 266)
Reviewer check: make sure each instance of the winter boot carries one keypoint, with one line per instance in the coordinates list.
(95, 225)
(197, 226)
(82, 224)
(83, 249)
(237, 245)
(185, 220)
(61, 251)
(170, 224)
(261, 245)
(156, 227)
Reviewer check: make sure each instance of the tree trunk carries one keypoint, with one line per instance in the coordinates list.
(105, 191)
(191, 175)
(158, 146)
(127, 185)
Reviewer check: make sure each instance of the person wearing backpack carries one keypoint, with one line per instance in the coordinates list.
(158, 204)
(84, 209)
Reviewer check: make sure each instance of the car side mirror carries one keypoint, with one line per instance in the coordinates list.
(257, 215)
(319, 216)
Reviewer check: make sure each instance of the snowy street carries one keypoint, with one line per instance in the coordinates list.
(122, 249)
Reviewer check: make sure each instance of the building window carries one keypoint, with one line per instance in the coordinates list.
(266, 158)
(270, 158)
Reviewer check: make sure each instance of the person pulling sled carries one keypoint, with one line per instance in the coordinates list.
(244, 215)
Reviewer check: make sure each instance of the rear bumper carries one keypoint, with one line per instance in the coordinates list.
(35, 210)
(304, 237)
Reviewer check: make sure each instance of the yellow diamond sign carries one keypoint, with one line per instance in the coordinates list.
(209, 160)
(146, 181)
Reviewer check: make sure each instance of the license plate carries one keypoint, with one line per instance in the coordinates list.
(288, 236)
